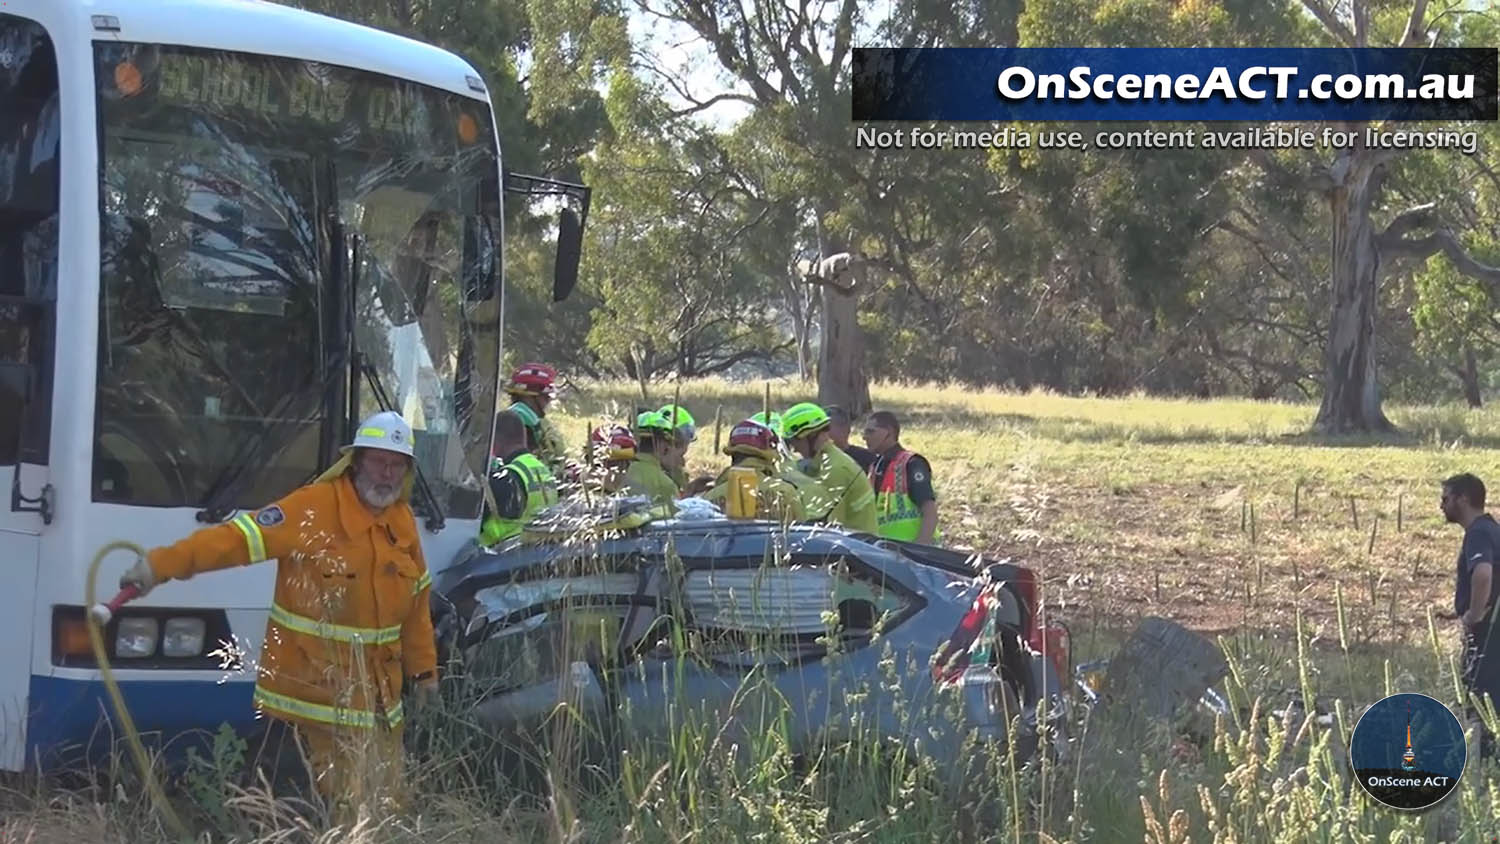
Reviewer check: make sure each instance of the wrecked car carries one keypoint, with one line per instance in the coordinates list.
(828, 634)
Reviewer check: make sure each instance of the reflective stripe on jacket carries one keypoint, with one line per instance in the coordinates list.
(845, 495)
(898, 515)
(541, 493)
(349, 618)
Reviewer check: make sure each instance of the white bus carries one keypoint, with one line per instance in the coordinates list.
(228, 230)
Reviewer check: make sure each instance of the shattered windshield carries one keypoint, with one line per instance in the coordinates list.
(233, 189)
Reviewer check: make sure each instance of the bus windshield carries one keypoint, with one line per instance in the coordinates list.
(231, 185)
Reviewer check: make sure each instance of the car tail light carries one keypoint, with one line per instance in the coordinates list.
(1025, 583)
(1055, 643)
(953, 659)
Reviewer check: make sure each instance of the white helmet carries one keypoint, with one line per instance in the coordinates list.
(385, 430)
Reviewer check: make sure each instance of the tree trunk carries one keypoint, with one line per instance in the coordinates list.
(841, 348)
(1470, 377)
(841, 356)
(1351, 394)
(804, 349)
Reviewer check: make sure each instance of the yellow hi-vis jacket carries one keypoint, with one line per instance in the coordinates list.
(846, 497)
(648, 477)
(349, 620)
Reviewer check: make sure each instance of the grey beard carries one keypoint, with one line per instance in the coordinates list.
(370, 493)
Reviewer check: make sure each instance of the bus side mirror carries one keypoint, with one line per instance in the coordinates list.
(569, 251)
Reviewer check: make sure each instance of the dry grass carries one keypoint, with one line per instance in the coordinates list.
(1223, 515)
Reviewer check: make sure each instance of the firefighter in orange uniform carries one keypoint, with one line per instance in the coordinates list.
(349, 622)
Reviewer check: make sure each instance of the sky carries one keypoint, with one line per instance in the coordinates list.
(677, 49)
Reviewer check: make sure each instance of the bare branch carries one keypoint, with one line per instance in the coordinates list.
(1422, 215)
(1330, 21)
(1441, 240)
(1414, 29)
(710, 103)
(1320, 180)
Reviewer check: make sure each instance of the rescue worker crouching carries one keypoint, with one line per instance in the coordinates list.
(349, 620)
(845, 497)
(522, 485)
(779, 492)
(657, 444)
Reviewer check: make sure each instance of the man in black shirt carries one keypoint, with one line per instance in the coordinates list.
(840, 425)
(1462, 503)
(906, 506)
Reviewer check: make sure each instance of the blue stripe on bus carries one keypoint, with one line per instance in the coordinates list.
(67, 719)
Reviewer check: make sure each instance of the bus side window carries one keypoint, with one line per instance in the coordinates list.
(29, 187)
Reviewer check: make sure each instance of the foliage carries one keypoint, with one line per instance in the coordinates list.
(1183, 272)
(1135, 506)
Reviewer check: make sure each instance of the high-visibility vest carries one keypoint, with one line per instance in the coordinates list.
(541, 492)
(898, 515)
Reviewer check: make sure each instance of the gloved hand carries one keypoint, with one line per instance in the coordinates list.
(426, 692)
(140, 576)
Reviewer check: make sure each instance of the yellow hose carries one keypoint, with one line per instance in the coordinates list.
(101, 657)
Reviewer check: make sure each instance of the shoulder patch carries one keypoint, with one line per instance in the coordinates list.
(919, 476)
(270, 516)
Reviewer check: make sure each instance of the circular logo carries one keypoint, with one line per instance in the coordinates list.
(1408, 751)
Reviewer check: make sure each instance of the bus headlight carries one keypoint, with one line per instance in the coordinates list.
(136, 638)
(183, 637)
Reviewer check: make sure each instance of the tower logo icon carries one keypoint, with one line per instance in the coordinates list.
(1408, 751)
(1409, 758)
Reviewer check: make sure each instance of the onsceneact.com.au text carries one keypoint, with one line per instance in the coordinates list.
(1251, 83)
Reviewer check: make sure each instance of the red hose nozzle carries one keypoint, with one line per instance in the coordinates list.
(102, 613)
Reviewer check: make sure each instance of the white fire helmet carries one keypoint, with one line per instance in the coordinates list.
(385, 430)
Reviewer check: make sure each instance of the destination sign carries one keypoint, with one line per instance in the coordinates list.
(290, 92)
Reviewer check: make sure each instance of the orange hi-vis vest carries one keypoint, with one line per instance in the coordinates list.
(896, 512)
(350, 617)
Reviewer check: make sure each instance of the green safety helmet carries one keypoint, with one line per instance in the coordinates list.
(528, 416)
(801, 420)
(685, 424)
(774, 422)
(651, 423)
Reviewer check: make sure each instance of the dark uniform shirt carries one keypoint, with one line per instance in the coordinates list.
(1481, 545)
(508, 489)
(918, 475)
(863, 456)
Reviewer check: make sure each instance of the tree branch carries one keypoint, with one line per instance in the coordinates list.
(1331, 22)
(1422, 215)
(1441, 240)
(709, 103)
(1320, 180)
(1414, 30)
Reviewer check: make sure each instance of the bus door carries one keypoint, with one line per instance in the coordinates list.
(28, 293)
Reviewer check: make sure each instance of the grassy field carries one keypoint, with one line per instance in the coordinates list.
(1318, 566)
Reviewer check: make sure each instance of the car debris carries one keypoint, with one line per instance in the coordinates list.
(851, 632)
